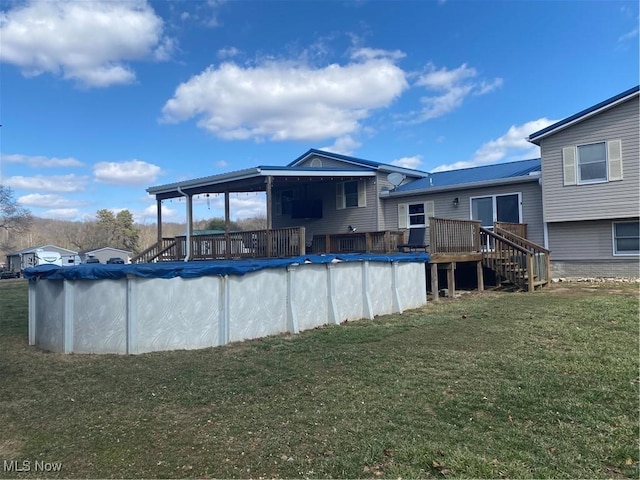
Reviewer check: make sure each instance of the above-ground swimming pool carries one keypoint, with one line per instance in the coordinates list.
(187, 305)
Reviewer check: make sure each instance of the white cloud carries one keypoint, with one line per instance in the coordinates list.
(48, 200)
(450, 88)
(55, 183)
(242, 205)
(151, 214)
(287, 101)
(41, 162)
(408, 162)
(228, 52)
(345, 145)
(61, 213)
(84, 41)
(221, 164)
(510, 146)
(629, 36)
(134, 172)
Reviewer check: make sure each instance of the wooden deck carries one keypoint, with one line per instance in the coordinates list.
(503, 249)
(275, 243)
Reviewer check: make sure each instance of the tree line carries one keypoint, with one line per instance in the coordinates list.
(20, 229)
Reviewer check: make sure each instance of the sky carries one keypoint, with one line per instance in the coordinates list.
(100, 100)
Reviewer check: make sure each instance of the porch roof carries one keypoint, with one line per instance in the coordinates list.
(255, 180)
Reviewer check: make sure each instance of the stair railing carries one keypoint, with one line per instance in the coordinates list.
(509, 260)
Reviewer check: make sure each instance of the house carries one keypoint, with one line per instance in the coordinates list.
(508, 192)
(105, 253)
(591, 189)
(27, 257)
(580, 200)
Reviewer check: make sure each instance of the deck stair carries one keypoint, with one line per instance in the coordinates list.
(514, 259)
(161, 251)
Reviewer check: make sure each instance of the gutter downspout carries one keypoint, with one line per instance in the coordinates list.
(188, 246)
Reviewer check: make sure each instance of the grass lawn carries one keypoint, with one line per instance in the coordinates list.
(511, 385)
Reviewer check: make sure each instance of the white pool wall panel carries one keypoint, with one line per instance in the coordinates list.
(137, 315)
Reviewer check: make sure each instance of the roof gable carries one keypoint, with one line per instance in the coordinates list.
(61, 250)
(354, 161)
(583, 115)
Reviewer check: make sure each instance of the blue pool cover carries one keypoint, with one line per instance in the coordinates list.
(96, 271)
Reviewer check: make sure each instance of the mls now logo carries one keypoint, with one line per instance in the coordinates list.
(28, 466)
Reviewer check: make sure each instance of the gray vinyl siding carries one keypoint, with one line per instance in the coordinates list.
(333, 220)
(585, 249)
(328, 163)
(588, 240)
(595, 201)
(531, 196)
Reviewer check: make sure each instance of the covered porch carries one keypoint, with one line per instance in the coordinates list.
(290, 240)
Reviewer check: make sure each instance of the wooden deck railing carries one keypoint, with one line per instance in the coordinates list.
(281, 242)
(515, 259)
(519, 229)
(358, 242)
(453, 236)
(541, 256)
(162, 251)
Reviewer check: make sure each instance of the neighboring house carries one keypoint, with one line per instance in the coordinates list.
(25, 258)
(105, 253)
(591, 189)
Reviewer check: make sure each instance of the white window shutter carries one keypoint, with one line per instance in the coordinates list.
(569, 165)
(614, 155)
(429, 211)
(362, 193)
(402, 215)
(339, 196)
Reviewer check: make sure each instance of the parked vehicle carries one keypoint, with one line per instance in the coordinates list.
(43, 257)
(116, 260)
(4, 274)
(92, 260)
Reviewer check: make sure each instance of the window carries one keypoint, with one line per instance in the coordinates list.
(416, 215)
(413, 215)
(283, 201)
(496, 208)
(592, 163)
(350, 194)
(626, 238)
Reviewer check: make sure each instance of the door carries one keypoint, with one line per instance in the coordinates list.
(496, 208)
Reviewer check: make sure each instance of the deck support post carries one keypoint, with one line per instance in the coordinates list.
(480, 275)
(435, 293)
(451, 279)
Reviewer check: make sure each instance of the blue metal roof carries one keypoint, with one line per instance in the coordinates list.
(535, 137)
(486, 173)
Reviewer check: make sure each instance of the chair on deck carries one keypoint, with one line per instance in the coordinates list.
(416, 241)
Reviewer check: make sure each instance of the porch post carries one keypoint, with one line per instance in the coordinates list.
(189, 227)
(269, 218)
(227, 226)
(159, 219)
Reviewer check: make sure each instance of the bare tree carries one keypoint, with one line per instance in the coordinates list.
(14, 218)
